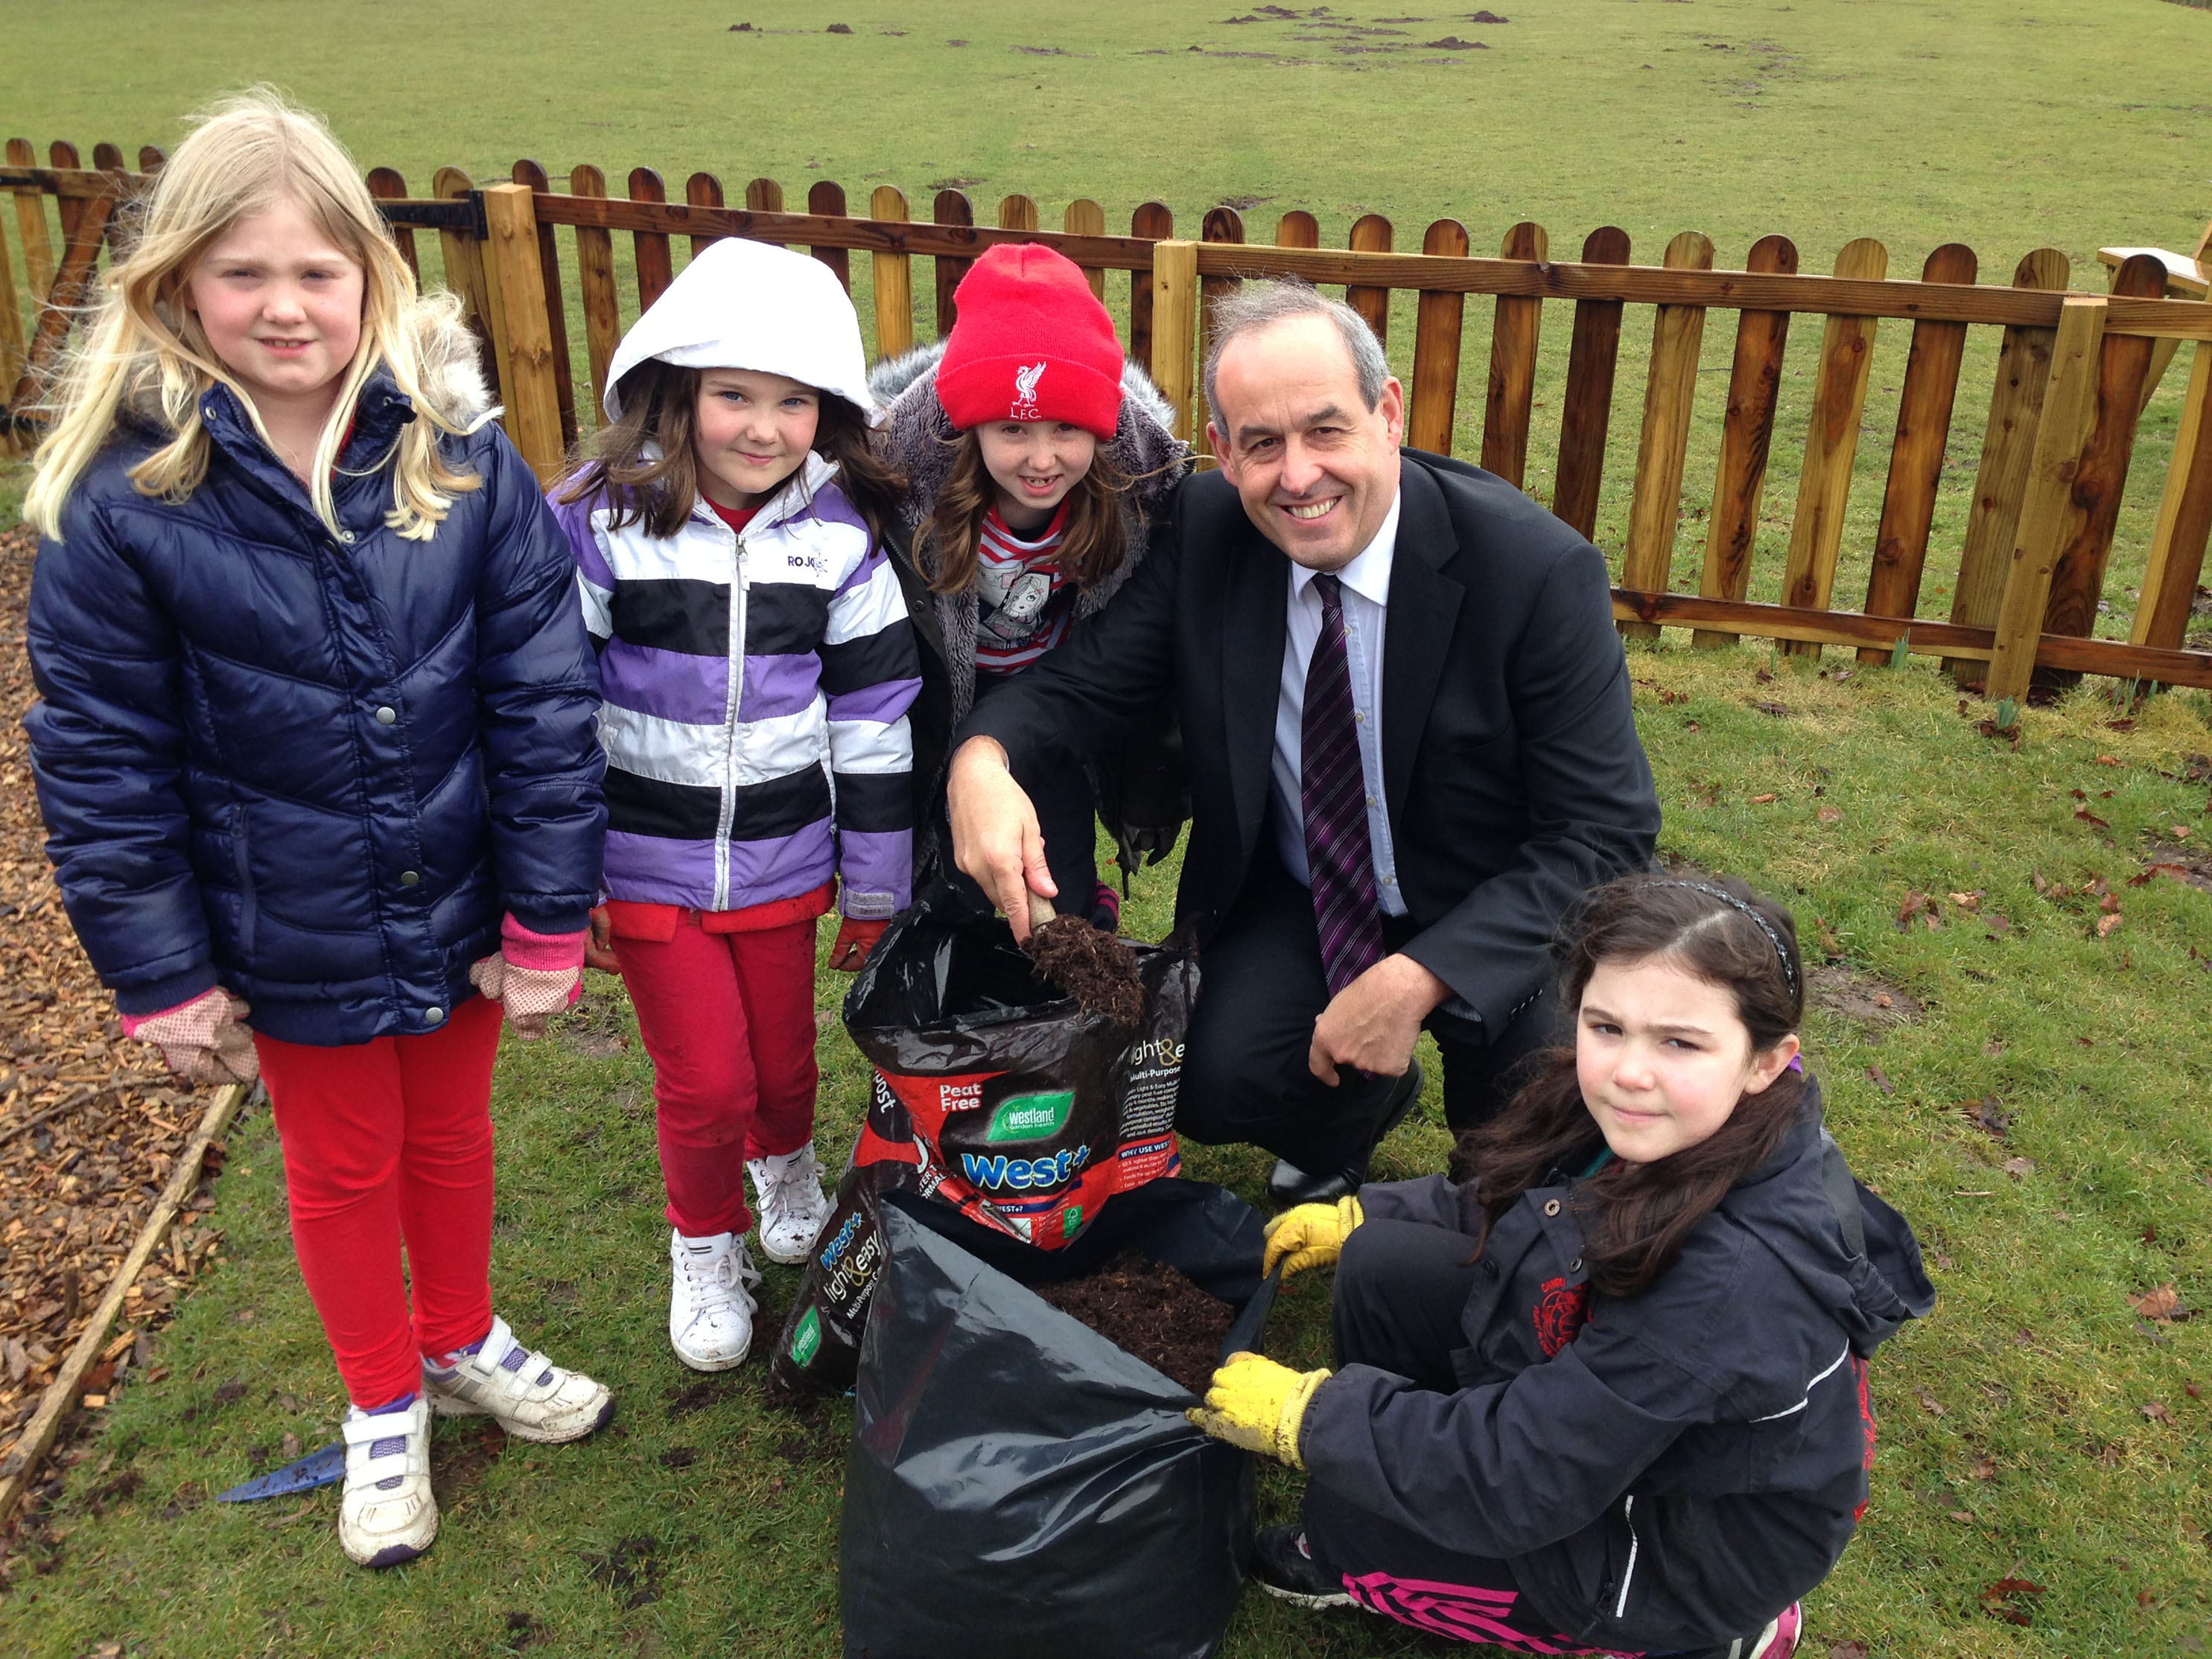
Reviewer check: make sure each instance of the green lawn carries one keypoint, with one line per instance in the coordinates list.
(2016, 1440)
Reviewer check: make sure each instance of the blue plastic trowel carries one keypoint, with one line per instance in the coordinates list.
(326, 1467)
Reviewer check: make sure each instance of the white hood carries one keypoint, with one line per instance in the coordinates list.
(749, 305)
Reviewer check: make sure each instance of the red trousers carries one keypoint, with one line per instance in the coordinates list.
(388, 1143)
(728, 1019)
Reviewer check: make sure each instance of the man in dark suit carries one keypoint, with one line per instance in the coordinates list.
(1406, 722)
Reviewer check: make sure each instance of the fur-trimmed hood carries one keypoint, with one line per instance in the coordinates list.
(920, 441)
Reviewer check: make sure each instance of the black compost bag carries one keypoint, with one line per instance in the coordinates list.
(1018, 1486)
(996, 1097)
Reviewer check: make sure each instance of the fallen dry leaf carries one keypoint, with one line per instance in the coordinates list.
(1967, 901)
(1930, 1404)
(1985, 1469)
(1778, 709)
(1985, 1114)
(2107, 924)
(1963, 1515)
(2108, 760)
(1848, 1651)
(2162, 1303)
(1829, 814)
(1761, 800)
(2087, 817)
(2157, 1412)
(1996, 1599)
(1997, 924)
(2020, 1168)
(1880, 1079)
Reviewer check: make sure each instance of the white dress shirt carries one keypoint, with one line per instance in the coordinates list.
(1366, 592)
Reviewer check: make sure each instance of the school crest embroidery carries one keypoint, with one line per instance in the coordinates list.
(1025, 385)
(1560, 1313)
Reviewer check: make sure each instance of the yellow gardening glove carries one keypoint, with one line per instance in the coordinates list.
(1258, 1405)
(1309, 1236)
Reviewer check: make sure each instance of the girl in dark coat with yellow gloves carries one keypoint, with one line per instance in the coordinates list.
(1606, 1391)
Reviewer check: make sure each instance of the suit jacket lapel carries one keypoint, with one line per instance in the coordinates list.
(1253, 630)
(1423, 611)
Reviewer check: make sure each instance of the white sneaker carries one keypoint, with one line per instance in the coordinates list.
(793, 1206)
(386, 1512)
(710, 1307)
(524, 1392)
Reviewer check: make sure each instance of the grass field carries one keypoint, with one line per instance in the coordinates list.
(2019, 1437)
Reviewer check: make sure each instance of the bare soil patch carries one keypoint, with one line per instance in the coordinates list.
(1860, 998)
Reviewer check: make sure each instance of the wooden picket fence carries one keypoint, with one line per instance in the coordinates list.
(2073, 371)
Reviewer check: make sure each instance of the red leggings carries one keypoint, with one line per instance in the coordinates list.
(386, 1142)
(729, 1021)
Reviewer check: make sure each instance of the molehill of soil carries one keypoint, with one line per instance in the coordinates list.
(1152, 1311)
(1099, 971)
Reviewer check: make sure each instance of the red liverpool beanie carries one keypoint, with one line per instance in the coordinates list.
(1031, 342)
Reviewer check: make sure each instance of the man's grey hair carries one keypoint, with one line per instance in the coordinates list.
(1260, 305)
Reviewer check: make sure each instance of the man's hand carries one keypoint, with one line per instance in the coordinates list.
(995, 838)
(1372, 1021)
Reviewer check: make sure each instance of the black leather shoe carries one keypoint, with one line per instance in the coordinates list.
(1289, 1185)
(1283, 1569)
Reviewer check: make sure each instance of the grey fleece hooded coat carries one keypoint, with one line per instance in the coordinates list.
(920, 440)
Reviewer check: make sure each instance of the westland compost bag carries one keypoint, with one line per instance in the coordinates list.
(995, 1096)
(1016, 1483)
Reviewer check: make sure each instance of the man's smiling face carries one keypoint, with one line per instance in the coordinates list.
(1316, 468)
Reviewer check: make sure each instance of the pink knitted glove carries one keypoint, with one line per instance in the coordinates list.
(203, 1040)
(532, 975)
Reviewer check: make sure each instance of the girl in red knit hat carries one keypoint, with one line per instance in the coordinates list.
(1036, 456)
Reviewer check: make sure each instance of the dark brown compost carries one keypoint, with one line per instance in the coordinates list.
(1152, 1311)
(1098, 969)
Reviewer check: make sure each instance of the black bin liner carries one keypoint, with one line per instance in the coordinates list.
(995, 1095)
(1019, 1487)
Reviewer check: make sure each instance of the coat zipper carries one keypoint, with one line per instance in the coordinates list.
(738, 599)
(1627, 1514)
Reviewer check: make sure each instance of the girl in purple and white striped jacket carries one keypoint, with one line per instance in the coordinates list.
(757, 664)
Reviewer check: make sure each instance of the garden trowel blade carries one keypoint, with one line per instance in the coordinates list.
(319, 1468)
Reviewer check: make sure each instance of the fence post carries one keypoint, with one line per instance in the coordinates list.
(463, 258)
(2001, 478)
(1669, 389)
(11, 324)
(893, 274)
(2046, 514)
(30, 220)
(1175, 325)
(1832, 445)
(2184, 517)
(516, 280)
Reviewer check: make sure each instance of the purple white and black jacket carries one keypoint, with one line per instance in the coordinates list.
(756, 689)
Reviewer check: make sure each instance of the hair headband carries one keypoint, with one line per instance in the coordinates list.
(1782, 951)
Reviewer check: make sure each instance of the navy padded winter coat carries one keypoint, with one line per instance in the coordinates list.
(313, 768)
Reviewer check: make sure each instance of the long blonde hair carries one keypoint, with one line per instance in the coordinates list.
(144, 349)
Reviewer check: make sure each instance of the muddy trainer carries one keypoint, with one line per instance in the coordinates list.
(1406, 722)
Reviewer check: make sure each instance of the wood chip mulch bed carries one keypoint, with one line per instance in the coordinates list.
(90, 1124)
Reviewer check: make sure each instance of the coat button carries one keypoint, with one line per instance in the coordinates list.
(1575, 1265)
(433, 1014)
(1551, 1206)
(387, 716)
(409, 878)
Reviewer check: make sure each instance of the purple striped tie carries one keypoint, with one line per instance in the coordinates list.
(1339, 856)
